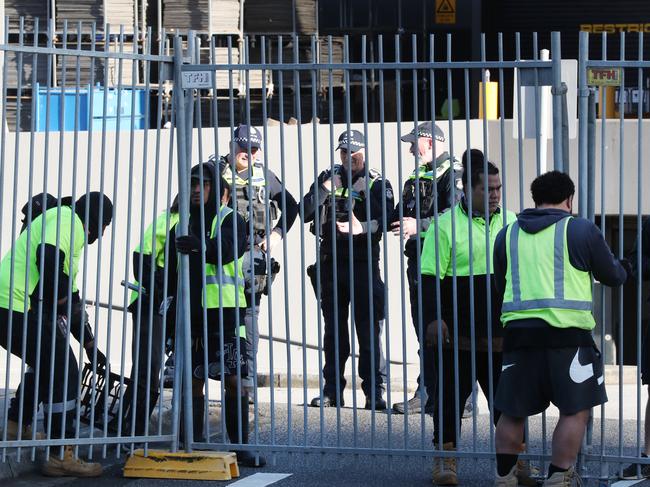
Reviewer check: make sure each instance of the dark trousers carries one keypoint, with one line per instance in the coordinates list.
(147, 357)
(53, 348)
(367, 289)
(426, 353)
(465, 386)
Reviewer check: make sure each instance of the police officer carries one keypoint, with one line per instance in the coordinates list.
(436, 174)
(148, 336)
(544, 266)
(262, 199)
(340, 197)
(221, 232)
(57, 238)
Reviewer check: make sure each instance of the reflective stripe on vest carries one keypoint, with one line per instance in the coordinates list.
(526, 300)
(230, 294)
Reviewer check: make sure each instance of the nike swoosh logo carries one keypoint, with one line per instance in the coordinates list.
(504, 367)
(578, 372)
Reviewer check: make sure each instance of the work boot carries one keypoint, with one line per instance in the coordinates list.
(526, 473)
(380, 403)
(70, 466)
(413, 406)
(26, 434)
(244, 457)
(562, 479)
(444, 469)
(326, 401)
(509, 480)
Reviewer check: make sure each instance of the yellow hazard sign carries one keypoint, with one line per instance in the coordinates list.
(445, 11)
(604, 76)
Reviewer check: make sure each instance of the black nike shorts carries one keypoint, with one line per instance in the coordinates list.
(234, 357)
(532, 378)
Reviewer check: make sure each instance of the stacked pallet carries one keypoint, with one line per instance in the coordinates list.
(75, 11)
(184, 15)
(30, 10)
(121, 12)
(27, 70)
(277, 16)
(337, 57)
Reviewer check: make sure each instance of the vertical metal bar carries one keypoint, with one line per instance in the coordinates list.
(621, 240)
(556, 52)
(382, 149)
(398, 100)
(315, 75)
(297, 91)
(488, 259)
(334, 263)
(116, 165)
(454, 250)
(502, 129)
(84, 279)
(591, 156)
(538, 114)
(3, 142)
(418, 240)
(25, 308)
(583, 113)
(520, 128)
(371, 312)
(639, 225)
(352, 294)
(603, 220)
(470, 234)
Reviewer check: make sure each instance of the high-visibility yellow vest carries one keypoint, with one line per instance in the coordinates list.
(71, 239)
(542, 283)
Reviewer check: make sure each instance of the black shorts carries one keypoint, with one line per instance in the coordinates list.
(233, 363)
(532, 378)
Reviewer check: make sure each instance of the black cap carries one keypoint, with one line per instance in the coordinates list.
(245, 134)
(97, 203)
(425, 129)
(352, 141)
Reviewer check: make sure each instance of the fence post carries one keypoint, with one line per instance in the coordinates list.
(583, 112)
(183, 374)
(557, 91)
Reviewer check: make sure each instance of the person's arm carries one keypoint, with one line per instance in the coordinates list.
(50, 273)
(645, 253)
(589, 252)
(317, 196)
(500, 264)
(226, 234)
(379, 198)
(288, 211)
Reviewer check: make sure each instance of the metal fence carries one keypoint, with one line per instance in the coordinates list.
(136, 140)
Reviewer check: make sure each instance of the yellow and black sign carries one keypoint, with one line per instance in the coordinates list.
(445, 11)
(615, 28)
(604, 76)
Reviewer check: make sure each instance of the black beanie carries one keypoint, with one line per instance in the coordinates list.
(95, 201)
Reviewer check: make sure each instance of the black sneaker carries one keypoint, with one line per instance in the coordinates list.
(633, 471)
(326, 401)
(380, 404)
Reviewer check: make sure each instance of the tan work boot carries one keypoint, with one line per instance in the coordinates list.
(12, 432)
(444, 469)
(526, 473)
(509, 480)
(562, 479)
(70, 466)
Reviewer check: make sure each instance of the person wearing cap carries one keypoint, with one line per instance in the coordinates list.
(215, 245)
(436, 173)
(149, 323)
(269, 209)
(44, 261)
(338, 202)
(464, 334)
